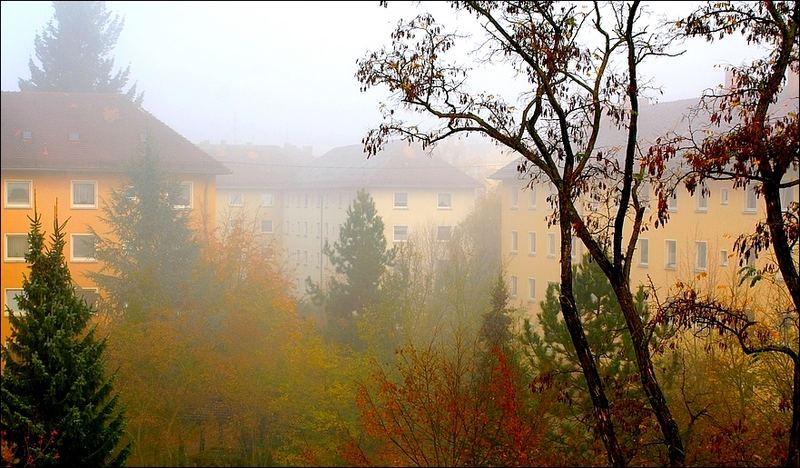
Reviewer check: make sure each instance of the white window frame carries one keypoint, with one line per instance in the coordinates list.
(6, 258)
(512, 286)
(531, 289)
(190, 184)
(644, 252)
(267, 199)
(702, 202)
(18, 205)
(667, 264)
(394, 232)
(5, 301)
(514, 198)
(749, 192)
(697, 266)
(723, 258)
(271, 227)
(232, 197)
(531, 243)
(394, 201)
(77, 206)
(72, 256)
(74, 136)
(724, 197)
(449, 232)
(439, 205)
(532, 198)
(95, 290)
(672, 203)
(551, 244)
(514, 242)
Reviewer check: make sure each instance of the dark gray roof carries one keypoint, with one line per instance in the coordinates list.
(399, 165)
(259, 166)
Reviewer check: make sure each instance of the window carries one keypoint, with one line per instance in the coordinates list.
(723, 258)
(531, 289)
(305, 228)
(84, 194)
(267, 199)
(514, 245)
(18, 193)
(532, 198)
(513, 286)
(16, 247)
(701, 262)
(531, 243)
(723, 197)
(305, 200)
(305, 257)
(574, 246)
(183, 200)
(787, 197)
(83, 247)
(236, 199)
(750, 200)
(11, 301)
(319, 230)
(644, 252)
(671, 254)
(286, 227)
(74, 136)
(644, 194)
(400, 233)
(27, 135)
(514, 198)
(702, 201)
(443, 233)
(750, 259)
(445, 201)
(266, 226)
(89, 295)
(551, 244)
(672, 202)
(401, 200)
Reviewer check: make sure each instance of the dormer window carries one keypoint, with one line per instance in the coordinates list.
(27, 135)
(74, 136)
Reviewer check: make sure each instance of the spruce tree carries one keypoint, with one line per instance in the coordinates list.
(360, 258)
(57, 403)
(149, 254)
(74, 52)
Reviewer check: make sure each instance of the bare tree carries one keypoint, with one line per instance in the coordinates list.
(576, 88)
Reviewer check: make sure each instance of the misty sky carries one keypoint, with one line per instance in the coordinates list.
(275, 73)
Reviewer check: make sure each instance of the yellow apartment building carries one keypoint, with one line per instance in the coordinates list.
(254, 190)
(696, 245)
(411, 189)
(74, 148)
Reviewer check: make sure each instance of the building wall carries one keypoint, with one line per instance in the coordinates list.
(49, 187)
(726, 216)
(253, 206)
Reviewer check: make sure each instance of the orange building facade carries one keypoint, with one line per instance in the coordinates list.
(72, 149)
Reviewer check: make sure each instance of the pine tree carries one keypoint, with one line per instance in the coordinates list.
(150, 254)
(496, 327)
(360, 258)
(74, 52)
(555, 362)
(57, 404)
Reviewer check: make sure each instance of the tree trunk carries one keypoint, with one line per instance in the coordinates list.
(604, 426)
(669, 428)
(793, 457)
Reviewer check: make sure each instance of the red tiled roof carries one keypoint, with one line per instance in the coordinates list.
(110, 129)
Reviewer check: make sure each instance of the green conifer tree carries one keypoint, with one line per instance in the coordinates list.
(74, 52)
(150, 254)
(360, 258)
(57, 404)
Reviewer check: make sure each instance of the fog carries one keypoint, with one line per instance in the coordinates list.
(503, 251)
(283, 72)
